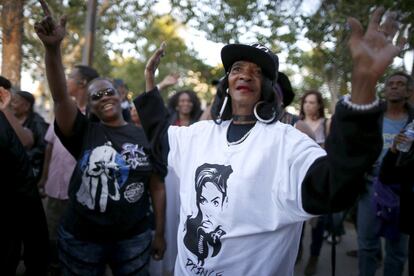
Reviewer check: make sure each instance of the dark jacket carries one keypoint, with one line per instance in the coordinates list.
(36, 154)
(396, 168)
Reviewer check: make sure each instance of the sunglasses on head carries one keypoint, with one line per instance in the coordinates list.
(108, 92)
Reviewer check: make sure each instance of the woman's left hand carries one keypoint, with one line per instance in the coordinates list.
(158, 247)
(372, 52)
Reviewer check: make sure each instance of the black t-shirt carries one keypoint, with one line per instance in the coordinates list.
(108, 191)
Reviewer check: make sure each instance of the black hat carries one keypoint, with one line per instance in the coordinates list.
(27, 96)
(285, 88)
(5, 83)
(255, 53)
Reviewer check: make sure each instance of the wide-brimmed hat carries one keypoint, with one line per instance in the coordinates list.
(256, 53)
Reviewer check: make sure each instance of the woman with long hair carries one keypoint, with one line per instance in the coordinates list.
(185, 108)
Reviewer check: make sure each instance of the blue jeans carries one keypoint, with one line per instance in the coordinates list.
(369, 242)
(125, 257)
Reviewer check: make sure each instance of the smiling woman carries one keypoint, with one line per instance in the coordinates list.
(277, 176)
(106, 219)
(104, 101)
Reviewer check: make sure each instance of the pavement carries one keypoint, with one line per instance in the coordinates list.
(345, 265)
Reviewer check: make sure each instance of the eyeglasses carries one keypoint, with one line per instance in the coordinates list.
(108, 92)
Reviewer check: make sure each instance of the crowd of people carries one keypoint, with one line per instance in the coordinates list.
(162, 188)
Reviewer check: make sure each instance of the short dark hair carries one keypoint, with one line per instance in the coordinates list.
(195, 111)
(27, 96)
(410, 79)
(86, 72)
(319, 99)
(267, 110)
(5, 83)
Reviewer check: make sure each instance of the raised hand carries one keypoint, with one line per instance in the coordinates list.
(48, 31)
(5, 98)
(152, 66)
(169, 80)
(372, 52)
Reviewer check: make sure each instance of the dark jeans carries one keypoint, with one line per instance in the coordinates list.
(125, 257)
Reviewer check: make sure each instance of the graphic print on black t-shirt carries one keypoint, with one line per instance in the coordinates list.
(203, 233)
(134, 155)
(104, 172)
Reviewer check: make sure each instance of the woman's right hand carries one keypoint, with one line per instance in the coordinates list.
(152, 66)
(49, 32)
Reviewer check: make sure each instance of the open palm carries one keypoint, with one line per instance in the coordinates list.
(373, 51)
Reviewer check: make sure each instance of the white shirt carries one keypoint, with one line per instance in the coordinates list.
(258, 222)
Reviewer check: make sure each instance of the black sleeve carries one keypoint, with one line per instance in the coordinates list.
(154, 118)
(74, 142)
(333, 182)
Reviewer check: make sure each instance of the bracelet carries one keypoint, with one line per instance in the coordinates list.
(359, 107)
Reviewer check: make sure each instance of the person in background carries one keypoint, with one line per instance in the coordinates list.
(135, 117)
(59, 163)
(23, 107)
(23, 218)
(395, 114)
(285, 92)
(122, 88)
(24, 134)
(185, 107)
(77, 84)
(396, 169)
(312, 113)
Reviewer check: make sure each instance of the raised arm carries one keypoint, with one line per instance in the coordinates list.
(25, 135)
(153, 113)
(333, 182)
(51, 34)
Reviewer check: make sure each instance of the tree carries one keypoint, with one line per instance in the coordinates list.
(12, 38)
(326, 30)
(178, 59)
